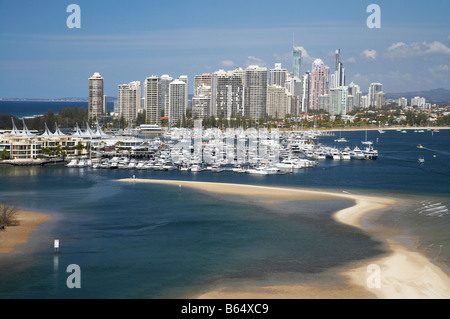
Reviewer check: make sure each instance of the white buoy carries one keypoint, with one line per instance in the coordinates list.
(56, 244)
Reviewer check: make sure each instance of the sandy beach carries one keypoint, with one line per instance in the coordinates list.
(403, 273)
(14, 236)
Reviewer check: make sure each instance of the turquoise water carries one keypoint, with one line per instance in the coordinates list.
(155, 241)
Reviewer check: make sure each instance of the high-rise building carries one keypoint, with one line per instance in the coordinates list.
(164, 82)
(177, 101)
(200, 79)
(338, 100)
(227, 93)
(129, 101)
(402, 102)
(95, 102)
(339, 71)
(418, 101)
(184, 78)
(355, 91)
(373, 90)
(152, 103)
(277, 101)
(277, 75)
(380, 100)
(297, 62)
(255, 92)
(305, 93)
(316, 83)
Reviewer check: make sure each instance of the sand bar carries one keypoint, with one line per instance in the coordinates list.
(404, 273)
(14, 236)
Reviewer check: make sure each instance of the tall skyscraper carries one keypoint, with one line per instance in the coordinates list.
(164, 82)
(373, 90)
(177, 101)
(305, 93)
(200, 79)
(152, 102)
(316, 84)
(339, 70)
(95, 102)
(227, 93)
(338, 100)
(297, 62)
(184, 78)
(277, 75)
(277, 101)
(255, 92)
(129, 101)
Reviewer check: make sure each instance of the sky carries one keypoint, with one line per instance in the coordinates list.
(41, 57)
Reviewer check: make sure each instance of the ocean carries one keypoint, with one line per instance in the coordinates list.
(157, 241)
(27, 109)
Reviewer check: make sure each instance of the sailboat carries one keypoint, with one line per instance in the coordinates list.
(366, 142)
(340, 139)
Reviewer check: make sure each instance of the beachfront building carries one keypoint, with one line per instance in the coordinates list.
(184, 78)
(152, 96)
(227, 93)
(255, 92)
(278, 75)
(373, 91)
(297, 62)
(316, 84)
(418, 101)
(129, 101)
(164, 82)
(380, 100)
(338, 100)
(201, 102)
(277, 101)
(96, 107)
(177, 101)
(305, 93)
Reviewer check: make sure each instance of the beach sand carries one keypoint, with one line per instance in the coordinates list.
(14, 236)
(403, 273)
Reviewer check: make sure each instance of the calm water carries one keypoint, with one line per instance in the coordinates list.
(22, 109)
(145, 240)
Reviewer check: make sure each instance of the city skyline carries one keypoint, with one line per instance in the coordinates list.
(130, 43)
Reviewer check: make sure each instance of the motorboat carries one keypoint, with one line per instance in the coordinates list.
(72, 163)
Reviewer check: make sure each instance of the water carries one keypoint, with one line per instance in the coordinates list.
(155, 241)
(25, 109)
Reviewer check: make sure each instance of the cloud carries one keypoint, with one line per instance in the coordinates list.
(251, 60)
(350, 60)
(401, 50)
(227, 63)
(442, 70)
(369, 54)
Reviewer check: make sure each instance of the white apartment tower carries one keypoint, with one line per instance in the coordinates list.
(373, 91)
(255, 92)
(95, 102)
(277, 75)
(152, 99)
(177, 101)
(129, 100)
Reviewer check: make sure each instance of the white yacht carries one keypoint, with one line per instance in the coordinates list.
(72, 163)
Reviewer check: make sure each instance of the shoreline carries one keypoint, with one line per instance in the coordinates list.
(404, 273)
(14, 236)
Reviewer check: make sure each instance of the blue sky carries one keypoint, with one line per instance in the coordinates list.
(40, 57)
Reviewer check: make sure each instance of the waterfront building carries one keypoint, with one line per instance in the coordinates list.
(316, 83)
(255, 92)
(373, 90)
(380, 100)
(324, 102)
(338, 100)
(297, 62)
(227, 93)
(339, 70)
(402, 102)
(202, 80)
(277, 101)
(418, 101)
(365, 101)
(152, 103)
(305, 93)
(164, 82)
(184, 78)
(96, 107)
(129, 101)
(177, 101)
(355, 91)
(277, 75)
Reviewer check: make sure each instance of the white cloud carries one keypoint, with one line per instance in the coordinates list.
(306, 58)
(369, 54)
(442, 70)
(350, 60)
(404, 50)
(227, 63)
(251, 60)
